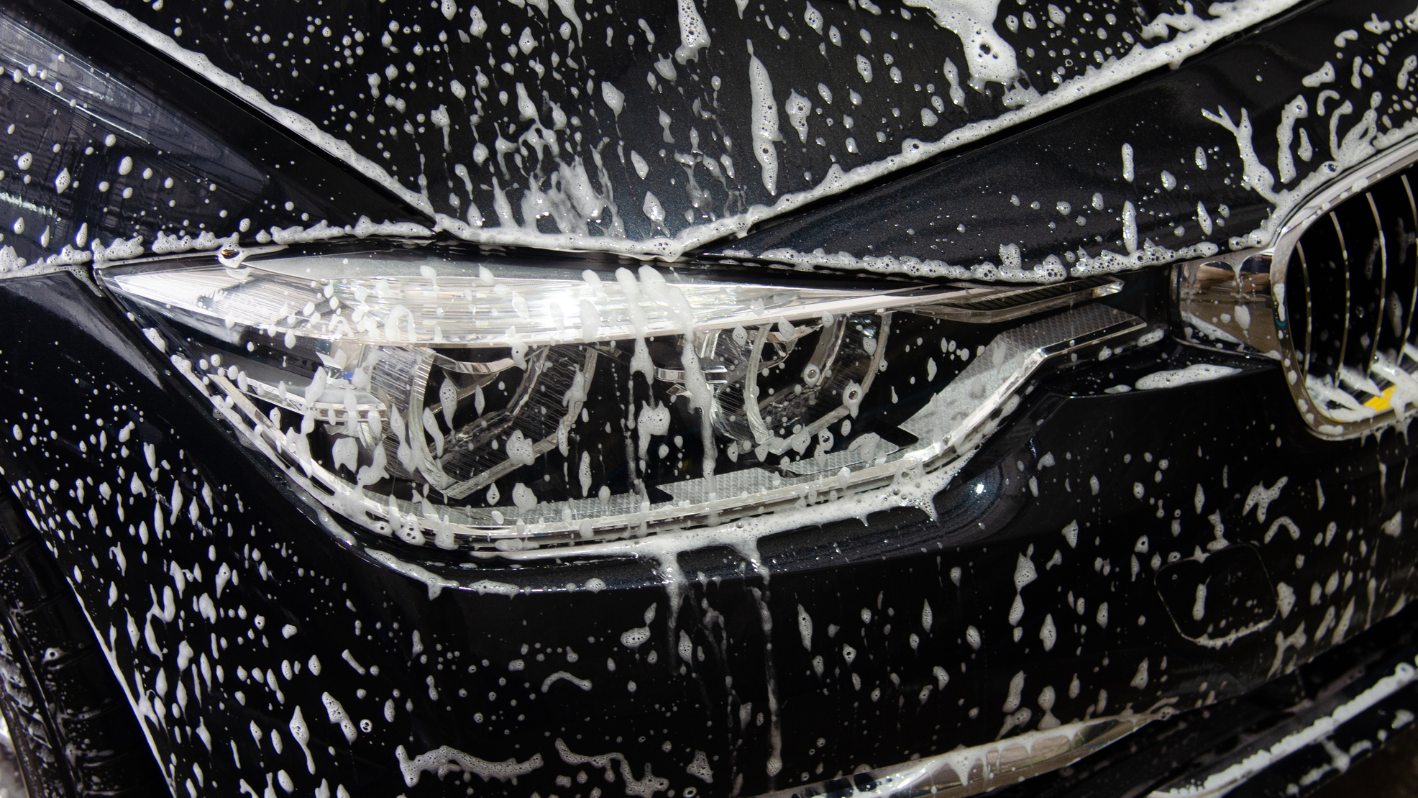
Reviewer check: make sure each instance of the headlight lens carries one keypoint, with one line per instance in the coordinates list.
(469, 401)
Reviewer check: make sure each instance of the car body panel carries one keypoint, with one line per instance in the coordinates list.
(1164, 204)
(656, 128)
(1209, 157)
(1240, 475)
(738, 667)
(115, 153)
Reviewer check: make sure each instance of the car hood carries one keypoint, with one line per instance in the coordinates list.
(656, 128)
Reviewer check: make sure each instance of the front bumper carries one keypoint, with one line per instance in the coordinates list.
(242, 619)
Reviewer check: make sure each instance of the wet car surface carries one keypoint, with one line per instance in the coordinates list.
(1157, 496)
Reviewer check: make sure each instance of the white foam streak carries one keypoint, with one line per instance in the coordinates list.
(764, 122)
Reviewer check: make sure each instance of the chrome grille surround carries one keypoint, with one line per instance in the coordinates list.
(1332, 298)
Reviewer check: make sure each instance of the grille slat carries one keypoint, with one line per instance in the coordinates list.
(1406, 255)
(1309, 321)
(1379, 252)
(1342, 265)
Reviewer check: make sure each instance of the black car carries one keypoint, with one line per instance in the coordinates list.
(704, 399)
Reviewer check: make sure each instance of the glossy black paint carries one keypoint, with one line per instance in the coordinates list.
(1015, 190)
(381, 77)
(197, 163)
(166, 120)
(1183, 751)
(477, 651)
(1179, 473)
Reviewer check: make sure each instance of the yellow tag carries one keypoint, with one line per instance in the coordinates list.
(1380, 403)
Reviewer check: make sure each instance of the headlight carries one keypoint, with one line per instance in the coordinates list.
(472, 401)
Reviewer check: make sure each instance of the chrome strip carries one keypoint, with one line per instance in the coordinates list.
(969, 771)
(1249, 760)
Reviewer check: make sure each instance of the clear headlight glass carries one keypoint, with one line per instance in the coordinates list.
(469, 401)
